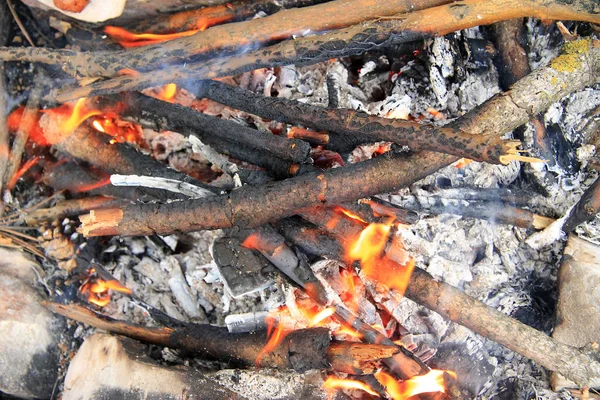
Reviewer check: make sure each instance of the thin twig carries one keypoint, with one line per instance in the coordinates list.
(19, 23)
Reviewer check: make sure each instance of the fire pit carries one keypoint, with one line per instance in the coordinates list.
(299, 199)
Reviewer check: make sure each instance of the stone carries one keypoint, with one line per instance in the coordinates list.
(578, 304)
(28, 331)
(112, 368)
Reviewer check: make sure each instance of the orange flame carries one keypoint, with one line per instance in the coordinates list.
(129, 39)
(97, 289)
(276, 335)
(15, 178)
(368, 249)
(168, 92)
(78, 115)
(333, 383)
(349, 214)
(433, 381)
(18, 118)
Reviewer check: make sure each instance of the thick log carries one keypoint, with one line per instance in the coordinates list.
(577, 67)
(300, 350)
(360, 126)
(586, 208)
(222, 38)
(346, 42)
(275, 153)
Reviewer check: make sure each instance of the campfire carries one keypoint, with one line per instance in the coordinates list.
(299, 199)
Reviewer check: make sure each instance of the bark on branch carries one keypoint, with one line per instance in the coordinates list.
(300, 350)
(578, 66)
(346, 42)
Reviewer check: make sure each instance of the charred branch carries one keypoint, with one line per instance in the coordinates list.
(275, 153)
(300, 350)
(346, 42)
(251, 207)
(586, 208)
(360, 126)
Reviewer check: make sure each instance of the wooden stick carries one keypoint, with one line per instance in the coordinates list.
(69, 208)
(346, 42)
(586, 208)
(204, 17)
(221, 38)
(577, 67)
(361, 126)
(4, 137)
(300, 350)
(246, 144)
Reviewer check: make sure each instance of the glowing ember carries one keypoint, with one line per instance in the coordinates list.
(92, 186)
(333, 383)
(433, 381)
(97, 289)
(78, 115)
(32, 124)
(463, 162)
(13, 181)
(168, 92)
(129, 39)
(122, 131)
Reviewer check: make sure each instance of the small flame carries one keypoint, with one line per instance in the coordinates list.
(370, 243)
(97, 289)
(122, 131)
(433, 381)
(129, 39)
(275, 332)
(333, 383)
(349, 214)
(168, 92)
(78, 115)
(318, 318)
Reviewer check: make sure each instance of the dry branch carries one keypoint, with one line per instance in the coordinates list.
(300, 350)
(69, 208)
(346, 42)
(577, 67)
(228, 37)
(355, 127)
(199, 18)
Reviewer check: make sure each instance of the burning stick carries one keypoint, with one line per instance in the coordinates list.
(266, 150)
(351, 41)
(300, 350)
(585, 209)
(227, 37)
(576, 67)
(362, 127)
(580, 365)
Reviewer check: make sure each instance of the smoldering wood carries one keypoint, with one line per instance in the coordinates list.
(197, 18)
(88, 145)
(270, 151)
(576, 67)
(69, 208)
(490, 211)
(309, 238)
(581, 365)
(222, 38)
(354, 40)
(586, 208)
(301, 350)
(403, 364)
(360, 126)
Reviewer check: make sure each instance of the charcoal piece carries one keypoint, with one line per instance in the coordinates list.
(242, 270)
(563, 150)
(473, 370)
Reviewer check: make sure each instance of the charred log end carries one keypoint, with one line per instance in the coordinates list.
(101, 222)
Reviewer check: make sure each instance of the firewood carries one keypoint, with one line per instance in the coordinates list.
(362, 127)
(4, 137)
(69, 208)
(200, 18)
(275, 153)
(580, 365)
(577, 67)
(228, 37)
(300, 350)
(354, 40)
(586, 208)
